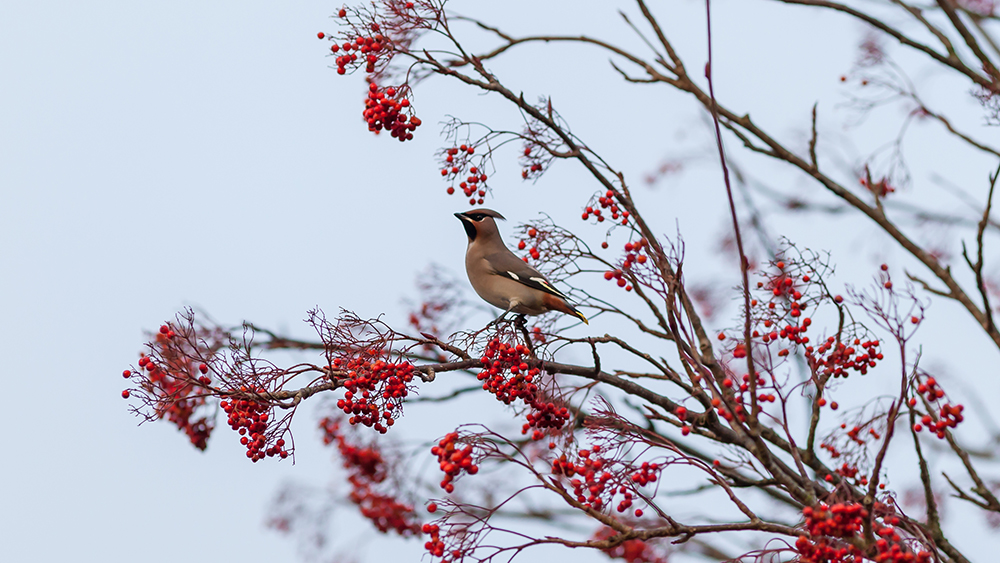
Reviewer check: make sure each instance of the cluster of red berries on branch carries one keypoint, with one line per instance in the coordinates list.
(434, 545)
(533, 161)
(250, 417)
(175, 384)
(949, 415)
(375, 390)
(457, 164)
(633, 256)
(508, 377)
(453, 459)
(386, 108)
(595, 479)
(632, 551)
(605, 202)
(533, 251)
(780, 320)
(830, 527)
(366, 469)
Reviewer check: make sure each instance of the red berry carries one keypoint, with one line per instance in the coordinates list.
(342, 13)
(321, 35)
(126, 374)
(432, 507)
(125, 394)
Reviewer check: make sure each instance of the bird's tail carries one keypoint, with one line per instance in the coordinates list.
(556, 304)
(575, 312)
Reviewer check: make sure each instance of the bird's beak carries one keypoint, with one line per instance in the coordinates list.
(461, 217)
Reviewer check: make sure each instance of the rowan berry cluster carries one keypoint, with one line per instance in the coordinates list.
(367, 468)
(250, 418)
(367, 47)
(175, 384)
(457, 163)
(633, 255)
(606, 202)
(533, 251)
(829, 527)
(632, 551)
(595, 482)
(384, 109)
(435, 546)
(453, 460)
(781, 321)
(948, 416)
(375, 390)
(500, 359)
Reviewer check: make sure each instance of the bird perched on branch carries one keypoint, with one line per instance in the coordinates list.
(501, 278)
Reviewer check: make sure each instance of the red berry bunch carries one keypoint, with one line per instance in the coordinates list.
(545, 416)
(844, 521)
(364, 49)
(595, 482)
(632, 551)
(384, 110)
(385, 511)
(837, 358)
(534, 159)
(363, 461)
(500, 359)
(249, 418)
(533, 251)
(457, 163)
(366, 468)
(607, 201)
(453, 460)
(633, 255)
(375, 390)
(949, 415)
(175, 384)
(434, 545)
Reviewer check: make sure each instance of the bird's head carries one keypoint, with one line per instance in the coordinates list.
(480, 223)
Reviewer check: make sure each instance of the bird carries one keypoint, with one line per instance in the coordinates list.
(500, 277)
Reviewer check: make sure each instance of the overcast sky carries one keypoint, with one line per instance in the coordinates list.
(159, 155)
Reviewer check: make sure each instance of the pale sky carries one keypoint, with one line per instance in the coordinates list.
(154, 156)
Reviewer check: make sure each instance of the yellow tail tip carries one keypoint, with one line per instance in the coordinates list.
(582, 318)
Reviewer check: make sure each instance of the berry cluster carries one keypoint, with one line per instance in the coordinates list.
(501, 358)
(593, 483)
(375, 390)
(844, 521)
(949, 415)
(633, 255)
(632, 551)
(607, 201)
(781, 321)
(383, 110)
(457, 163)
(532, 161)
(434, 546)
(366, 468)
(249, 418)
(175, 384)
(533, 251)
(453, 460)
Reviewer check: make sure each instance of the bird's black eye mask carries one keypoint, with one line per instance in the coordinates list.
(470, 229)
(477, 217)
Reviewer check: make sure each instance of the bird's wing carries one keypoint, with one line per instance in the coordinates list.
(508, 265)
